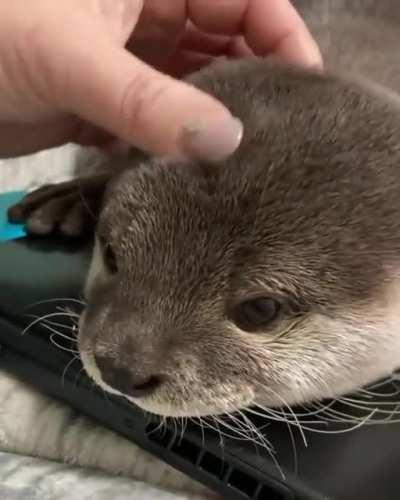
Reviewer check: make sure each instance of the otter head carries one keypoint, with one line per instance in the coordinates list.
(269, 278)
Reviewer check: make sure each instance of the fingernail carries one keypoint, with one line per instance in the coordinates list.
(212, 140)
(312, 54)
(303, 51)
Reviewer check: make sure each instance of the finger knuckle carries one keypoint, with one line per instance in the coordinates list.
(141, 96)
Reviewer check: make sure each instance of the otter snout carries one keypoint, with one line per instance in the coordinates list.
(133, 382)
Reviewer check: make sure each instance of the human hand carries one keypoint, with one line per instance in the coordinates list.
(91, 71)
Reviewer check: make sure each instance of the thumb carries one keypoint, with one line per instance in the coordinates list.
(118, 92)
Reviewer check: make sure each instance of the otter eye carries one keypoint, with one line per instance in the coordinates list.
(110, 259)
(256, 313)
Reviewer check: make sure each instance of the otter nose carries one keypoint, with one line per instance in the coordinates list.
(125, 381)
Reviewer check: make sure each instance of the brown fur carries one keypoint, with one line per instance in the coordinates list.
(307, 210)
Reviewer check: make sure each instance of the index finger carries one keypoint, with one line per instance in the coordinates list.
(269, 27)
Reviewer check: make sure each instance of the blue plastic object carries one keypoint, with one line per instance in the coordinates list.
(10, 231)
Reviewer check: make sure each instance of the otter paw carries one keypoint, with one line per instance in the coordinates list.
(63, 208)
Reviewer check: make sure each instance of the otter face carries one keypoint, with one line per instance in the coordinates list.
(270, 278)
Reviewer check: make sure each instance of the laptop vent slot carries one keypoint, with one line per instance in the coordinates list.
(213, 465)
(187, 450)
(204, 460)
(159, 435)
(243, 482)
(268, 493)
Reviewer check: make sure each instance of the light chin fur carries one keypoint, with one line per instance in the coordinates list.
(96, 269)
(188, 409)
(197, 409)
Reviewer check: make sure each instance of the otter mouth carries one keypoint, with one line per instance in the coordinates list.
(158, 404)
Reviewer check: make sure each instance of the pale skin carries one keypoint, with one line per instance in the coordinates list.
(95, 71)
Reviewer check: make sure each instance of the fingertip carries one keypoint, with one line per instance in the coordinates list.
(300, 48)
(214, 140)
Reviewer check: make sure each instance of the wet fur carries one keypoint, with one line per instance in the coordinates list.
(307, 209)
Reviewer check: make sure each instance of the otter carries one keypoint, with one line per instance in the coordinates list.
(272, 277)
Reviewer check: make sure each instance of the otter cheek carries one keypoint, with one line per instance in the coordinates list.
(90, 324)
(97, 271)
(80, 336)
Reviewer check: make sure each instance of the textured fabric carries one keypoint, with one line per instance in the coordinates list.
(26, 478)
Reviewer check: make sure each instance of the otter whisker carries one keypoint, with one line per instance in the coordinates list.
(164, 425)
(61, 299)
(175, 425)
(381, 405)
(76, 357)
(354, 404)
(86, 204)
(334, 415)
(70, 328)
(215, 426)
(202, 431)
(341, 431)
(160, 426)
(243, 434)
(247, 425)
(382, 383)
(294, 448)
(217, 420)
(183, 422)
(261, 441)
(221, 437)
(41, 319)
(314, 412)
(367, 392)
(256, 431)
(62, 348)
(292, 413)
(368, 402)
(60, 334)
(79, 374)
(68, 311)
(54, 323)
(204, 421)
(274, 416)
(184, 426)
(344, 417)
(364, 393)
(292, 440)
(181, 425)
